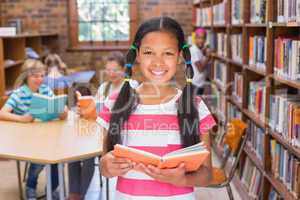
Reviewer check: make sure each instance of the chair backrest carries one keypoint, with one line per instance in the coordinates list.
(235, 138)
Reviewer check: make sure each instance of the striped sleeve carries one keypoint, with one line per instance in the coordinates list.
(206, 120)
(12, 101)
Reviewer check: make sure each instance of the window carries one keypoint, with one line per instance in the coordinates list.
(102, 24)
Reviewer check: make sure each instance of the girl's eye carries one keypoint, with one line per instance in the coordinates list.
(147, 52)
(169, 53)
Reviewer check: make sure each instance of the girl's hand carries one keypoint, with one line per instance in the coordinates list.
(112, 166)
(25, 118)
(88, 112)
(175, 176)
(64, 115)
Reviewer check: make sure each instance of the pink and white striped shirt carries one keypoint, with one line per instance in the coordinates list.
(153, 128)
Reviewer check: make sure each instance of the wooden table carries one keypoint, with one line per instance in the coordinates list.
(55, 142)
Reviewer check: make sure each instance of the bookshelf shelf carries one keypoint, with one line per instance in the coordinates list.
(14, 48)
(290, 83)
(251, 154)
(295, 151)
(255, 118)
(235, 62)
(19, 62)
(255, 69)
(255, 42)
(219, 57)
(280, 187)
(256, 25)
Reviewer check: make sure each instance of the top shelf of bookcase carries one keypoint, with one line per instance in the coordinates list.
(206, 3)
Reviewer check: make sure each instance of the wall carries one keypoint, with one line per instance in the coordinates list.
(52, 16)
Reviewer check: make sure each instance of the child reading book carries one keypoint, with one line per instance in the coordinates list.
(157, 118)
(114, 71)
(17, 108)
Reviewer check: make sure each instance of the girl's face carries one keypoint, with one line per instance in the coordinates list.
(114, 71)
(158, 57)
(35, 79)
(200, 40)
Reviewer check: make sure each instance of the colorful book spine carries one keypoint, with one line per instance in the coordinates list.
(285, 117)
(233, 112)
(285, 167)
(258, 11)
(222, 44)
(237, 92)
(236, 47)
(287, 58)
(203, 16)
(220, 74)
(257, 98)
(256, 139)
(258, 52)
(219, 14)
(237, 10)
(288, 11)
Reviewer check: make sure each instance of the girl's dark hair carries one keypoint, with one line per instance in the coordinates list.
(127, 98)
(118, 57)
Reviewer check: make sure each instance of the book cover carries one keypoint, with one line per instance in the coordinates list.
(90, 104)
(192, 156)
(47, 108)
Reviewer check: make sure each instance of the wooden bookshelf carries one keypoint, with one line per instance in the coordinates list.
(13, 48)
(270, 29)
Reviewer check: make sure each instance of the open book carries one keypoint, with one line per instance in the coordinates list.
(192, 156)
(47, 108)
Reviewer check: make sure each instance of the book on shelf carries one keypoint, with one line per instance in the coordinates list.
(257, 98)
(237, 11)
(236, 47)
(212, 40)
(288, 11)
(285, 117)
(258, 52)
(251, 178)
(274, 195)
(220, 74)
(258, 11)
(237, 91)
(219, 13)
(287, 58)
(285, 167)
(256, 139)
(222, 44)
(193, 156)
(47, 108)
(8, 31)
(203, 16)
(233, 112)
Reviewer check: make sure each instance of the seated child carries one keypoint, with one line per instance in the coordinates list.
(17, 107)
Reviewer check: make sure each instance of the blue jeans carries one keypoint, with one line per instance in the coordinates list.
(34, 172)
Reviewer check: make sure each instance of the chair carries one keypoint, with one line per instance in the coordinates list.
(235, 138)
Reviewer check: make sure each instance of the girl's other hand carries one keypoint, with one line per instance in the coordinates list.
(112, 166)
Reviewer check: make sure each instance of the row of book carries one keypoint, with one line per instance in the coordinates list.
(233, 112)
(251, 178)
(222, 44)
(287, 58)
(219, 104)
(256, 139)
(203, 16)
(288, 11)
(237, 90)
(285, 167)
(258, 11)
(219, 14)
(285, 117)
(257, 98)
(236, 47)
(220, 74)
(237, 11)
(273, 195)
(258, 51)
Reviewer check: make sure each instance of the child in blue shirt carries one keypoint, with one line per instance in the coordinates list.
(17, 107)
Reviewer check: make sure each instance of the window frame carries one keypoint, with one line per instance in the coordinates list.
(75, 44)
